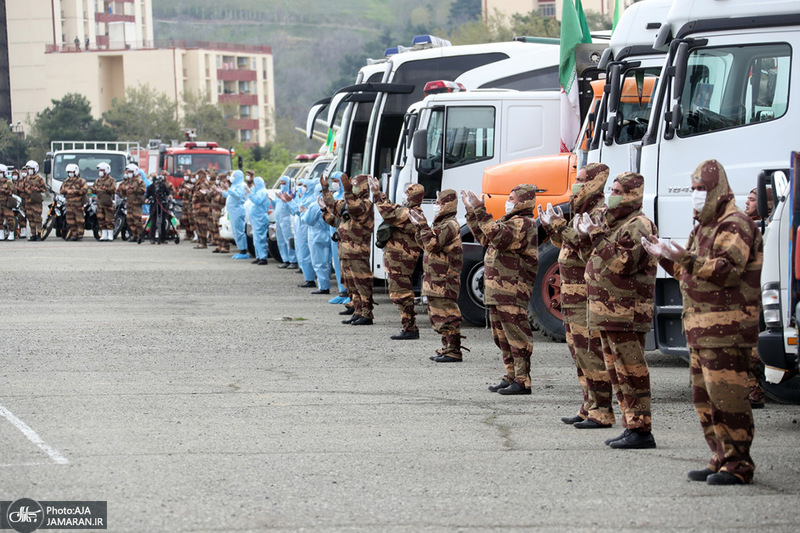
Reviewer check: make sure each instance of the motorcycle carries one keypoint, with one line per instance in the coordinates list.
(161, 216)
(121, 228)
(56, 218)
(19, 216)
(90, 217)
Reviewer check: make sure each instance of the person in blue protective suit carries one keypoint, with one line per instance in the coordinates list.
(299, 206)
(147, 183)
(283, 224)
(318, 241)
(338, 194)
(235, 197)
(259, 219)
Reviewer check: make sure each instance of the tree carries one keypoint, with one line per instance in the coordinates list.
(13, 148)
(210, 121)
(144, 114)
(598, 21)
(68, 119)
(534, 24)
(463, 11)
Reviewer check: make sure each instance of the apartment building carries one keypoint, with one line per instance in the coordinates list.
(98, 48)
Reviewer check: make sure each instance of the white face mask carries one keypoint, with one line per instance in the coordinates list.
(335, 186)
(699, 199)
(24, 173)
(436, 209)
(186, 178)
(194, 180)
(129, 174)
(102, 173)
(509, 206)
(71, 174)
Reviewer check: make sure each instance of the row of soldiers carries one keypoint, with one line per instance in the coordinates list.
(610, 252)
(30, 187)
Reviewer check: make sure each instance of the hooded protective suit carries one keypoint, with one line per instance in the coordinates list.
(318, 239)
(235, 197)
(720, 275)
(302, 200)
(510, 265)
(332, 222)
(620, 282)
(283, 223)
(259, 217)
(585, 345)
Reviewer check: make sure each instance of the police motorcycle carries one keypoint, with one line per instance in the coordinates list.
(161, 224)
(121, 228)
(19, 216)
(56, 218)
(90, 217)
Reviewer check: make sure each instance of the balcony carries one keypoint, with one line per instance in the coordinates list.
(113, 17)
(236, 75)
(243, 124)
(239, 99)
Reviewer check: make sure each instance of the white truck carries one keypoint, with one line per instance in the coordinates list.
(87, 155)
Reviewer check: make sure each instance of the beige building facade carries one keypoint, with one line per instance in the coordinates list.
(48, 58)
(549, 8)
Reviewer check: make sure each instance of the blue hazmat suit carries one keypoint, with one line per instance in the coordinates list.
(283, 223)
(318, 240)
(147, 183)
(235, 197)
(301, 230)
(336, 177)
(259, 217)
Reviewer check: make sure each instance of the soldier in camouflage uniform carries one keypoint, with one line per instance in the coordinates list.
(7, 189)
(401, 252)
(132, 188)
(620, 281)
(34, 186)
(104, 187)
(217, 203)
(185, 192)
(355, 236)
(201, 209)
(585, 346)
(720, 274)
(755, 375)
(75, 191)
(441, 265)
(510, 265)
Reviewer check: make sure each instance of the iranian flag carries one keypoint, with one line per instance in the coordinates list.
(574, 30)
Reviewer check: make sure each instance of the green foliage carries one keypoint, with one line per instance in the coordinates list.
(210, 121)
(267, 161)
(13, 148)
(535, 25)
(463, 11)
(144, 114)
(68, 119)
(598, 21)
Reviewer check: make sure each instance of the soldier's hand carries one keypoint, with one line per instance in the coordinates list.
(346, 184)
(374, 185)
(589, 225)
(556, 213)
(321, 202)
(544, 216)
(416, 217)
(323, 181)
(674, 251)
(653, 246)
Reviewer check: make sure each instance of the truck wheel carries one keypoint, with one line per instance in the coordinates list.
(544, 309)
(470, 297)
(274, 252)
(787, 391)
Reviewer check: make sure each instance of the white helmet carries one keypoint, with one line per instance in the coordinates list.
(33, 165)
(72, 167)
(3, 171)
(133, 168)
(105, 167)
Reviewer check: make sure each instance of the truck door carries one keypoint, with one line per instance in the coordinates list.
(732, 105)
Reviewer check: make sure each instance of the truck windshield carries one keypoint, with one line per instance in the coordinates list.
(179, 163)
(87, 162)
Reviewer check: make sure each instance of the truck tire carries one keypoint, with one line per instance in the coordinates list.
(470, 297)
(787, 391)
(544, 309)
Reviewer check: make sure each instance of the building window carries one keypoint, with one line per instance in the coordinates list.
(244, 111)
(244, 87)
(245, 135)
(547, 9)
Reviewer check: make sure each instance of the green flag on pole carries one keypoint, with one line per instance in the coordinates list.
(329, 140)
(587, 36)
(572, 34)
(616, 15)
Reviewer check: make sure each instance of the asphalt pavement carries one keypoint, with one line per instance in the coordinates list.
(193, 392)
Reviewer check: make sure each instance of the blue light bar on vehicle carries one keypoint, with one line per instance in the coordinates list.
(430, 40)
(391, 51)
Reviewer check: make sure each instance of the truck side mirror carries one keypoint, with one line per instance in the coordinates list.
(420, 144)
(412, 126)
(48, 166)
(679, 78)
(615, 88)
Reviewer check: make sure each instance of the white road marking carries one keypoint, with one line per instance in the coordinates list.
(32, 436)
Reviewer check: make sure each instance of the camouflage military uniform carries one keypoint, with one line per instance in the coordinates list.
(620, 280)
(185, 192)
(355, 234)
(133, 190)
(402, 251)
(216, 203)
(755, 374)
(201, 208)
(441, 281)
(720, 284)
(34, 187)
(510, 265)
(7, 188)
(584, 345)
(74, 190)
(104, 188)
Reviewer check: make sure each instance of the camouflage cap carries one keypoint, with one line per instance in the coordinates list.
(362, 184)
(633, 189)
(591, 194)
(448, 199)
(415, 193)
(526, 199)
(712, 176)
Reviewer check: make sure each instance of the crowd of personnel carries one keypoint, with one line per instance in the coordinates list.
(609, 254)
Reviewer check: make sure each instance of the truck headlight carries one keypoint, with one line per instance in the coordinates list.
(771, 302)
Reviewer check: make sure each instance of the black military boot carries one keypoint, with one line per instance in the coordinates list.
(348, 310)
(505, 382)
(699, 475)
(362, 321)
(405, 336)
(571, 420)
(514, 389)
(723, 478)
(590, 424)
(452, 353)
(351, 319)
(618, 437)
(635, 440)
